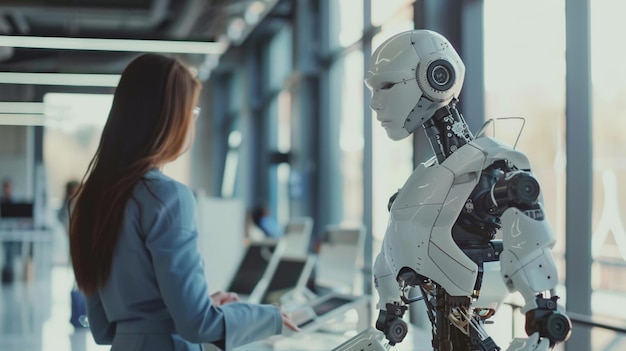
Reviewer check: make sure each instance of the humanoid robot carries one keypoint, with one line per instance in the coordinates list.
(443, 224)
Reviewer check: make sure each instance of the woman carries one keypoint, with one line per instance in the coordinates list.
(133, 235)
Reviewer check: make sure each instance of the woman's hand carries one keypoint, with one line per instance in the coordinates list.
(287, 322)
(222, 298)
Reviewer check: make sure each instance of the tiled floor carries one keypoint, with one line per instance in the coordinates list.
(34, 315)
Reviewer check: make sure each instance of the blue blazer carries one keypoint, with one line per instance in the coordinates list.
(156, 297)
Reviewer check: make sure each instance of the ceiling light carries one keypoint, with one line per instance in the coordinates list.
(71, 79)
(254, 11)
(15, 119)
(22, 107)
(99, 44)
(236, 28)
(74, 108)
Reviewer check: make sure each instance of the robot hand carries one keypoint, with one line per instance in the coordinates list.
(391, 324)
(547, 321)
(545, 325)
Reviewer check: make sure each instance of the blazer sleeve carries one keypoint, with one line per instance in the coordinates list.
(172, 242)
(101, 329)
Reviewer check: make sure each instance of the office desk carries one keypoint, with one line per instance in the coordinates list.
(416, 340)
(333, 325)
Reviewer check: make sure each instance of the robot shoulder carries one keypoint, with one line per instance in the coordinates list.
(496, 150)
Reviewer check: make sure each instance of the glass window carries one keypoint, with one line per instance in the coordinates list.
(278, 67)
(609, 166)
(230, 136)
(346, 105)
(351, 137)
(71, 137)
(386, 12)
(278, 61)
(283, 146)
(346, 22)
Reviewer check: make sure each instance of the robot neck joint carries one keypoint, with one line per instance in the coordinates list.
(447, 131)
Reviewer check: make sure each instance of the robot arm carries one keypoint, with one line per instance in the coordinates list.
(526, 262)
(390, 306)
(528, 267)
(391, 327)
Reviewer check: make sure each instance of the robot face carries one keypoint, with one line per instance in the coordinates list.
(411, 75)
(391, 79)
(393, 98)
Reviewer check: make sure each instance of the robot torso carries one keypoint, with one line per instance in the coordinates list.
(419, 231)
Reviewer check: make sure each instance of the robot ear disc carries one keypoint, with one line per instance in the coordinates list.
(440, 75)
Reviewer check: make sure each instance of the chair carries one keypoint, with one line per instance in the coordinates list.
(340, 259)
(297, 236)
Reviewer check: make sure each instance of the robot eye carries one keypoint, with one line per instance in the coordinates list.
(387, 86)
(440, 75)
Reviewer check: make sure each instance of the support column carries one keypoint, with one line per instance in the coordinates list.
(579, 168)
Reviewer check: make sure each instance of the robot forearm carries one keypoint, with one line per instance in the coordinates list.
(390, 306)
(528, 267)
(527, 264)
(385, 282)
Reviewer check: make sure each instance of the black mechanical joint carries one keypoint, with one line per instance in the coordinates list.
(547, 321)
(519, 189)
(391, 324)
(489, 345)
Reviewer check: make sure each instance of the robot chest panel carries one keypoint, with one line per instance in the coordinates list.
(434, 184)
(413, 215)
(426, 186)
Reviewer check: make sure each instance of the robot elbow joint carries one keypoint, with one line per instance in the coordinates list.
(410, 277)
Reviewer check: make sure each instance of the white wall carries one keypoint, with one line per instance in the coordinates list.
(221, 225)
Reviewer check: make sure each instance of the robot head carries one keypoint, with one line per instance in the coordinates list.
(411, 75)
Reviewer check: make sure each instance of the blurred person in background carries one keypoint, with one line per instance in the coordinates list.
(263, 219)
(11, 248)
(7, 191)
(71, 189)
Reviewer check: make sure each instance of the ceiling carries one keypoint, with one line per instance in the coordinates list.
(188, 20)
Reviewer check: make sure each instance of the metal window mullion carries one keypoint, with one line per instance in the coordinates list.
(579, 170)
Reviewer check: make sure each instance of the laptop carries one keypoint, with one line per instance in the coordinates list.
(252, 267)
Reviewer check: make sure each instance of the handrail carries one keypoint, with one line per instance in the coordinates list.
(594, 322)
(589, 321)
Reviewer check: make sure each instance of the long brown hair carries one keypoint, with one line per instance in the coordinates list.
(148, 126)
